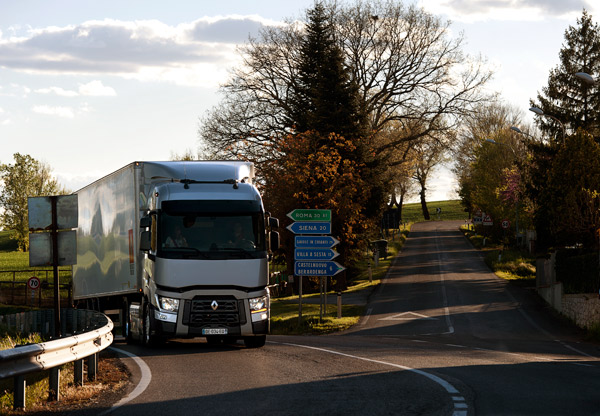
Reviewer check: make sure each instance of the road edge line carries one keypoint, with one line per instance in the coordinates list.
(145, 378)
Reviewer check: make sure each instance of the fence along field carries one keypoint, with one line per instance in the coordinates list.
(15, 272)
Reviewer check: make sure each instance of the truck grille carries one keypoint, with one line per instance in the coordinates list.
(206, 312)
(222, 306)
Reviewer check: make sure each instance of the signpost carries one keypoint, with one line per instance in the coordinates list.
(487, 221)
(313, 253)
(310, 215)
(312, 227)
(322, 241)
(33, 283)
(58, 248)
(317, 268)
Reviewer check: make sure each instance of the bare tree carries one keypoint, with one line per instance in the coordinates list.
(405, 63)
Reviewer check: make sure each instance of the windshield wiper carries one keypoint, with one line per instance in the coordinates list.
(195, 251)
(246, 253)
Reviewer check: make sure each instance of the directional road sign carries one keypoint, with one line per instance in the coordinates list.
(316, 241)
(310, 215)
(315, 254)
(317, 268)
(310, 227)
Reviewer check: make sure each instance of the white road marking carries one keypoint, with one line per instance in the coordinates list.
(440, 381)
(443, 281)
(366, 317)
(407, 316)
(146, 377)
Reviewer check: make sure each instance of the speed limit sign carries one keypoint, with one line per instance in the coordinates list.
(506, 224)
(33, 283)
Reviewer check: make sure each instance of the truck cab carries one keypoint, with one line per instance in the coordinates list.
(206, 263)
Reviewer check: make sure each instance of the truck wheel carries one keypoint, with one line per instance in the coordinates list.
(255, 342)
(147, 337)
(146, 325)
(126, 323)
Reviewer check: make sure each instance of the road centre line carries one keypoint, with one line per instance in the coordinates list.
(443, 281)
(458, 404)
(146, 377)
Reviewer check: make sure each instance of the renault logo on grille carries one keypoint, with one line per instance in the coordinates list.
(214, 305)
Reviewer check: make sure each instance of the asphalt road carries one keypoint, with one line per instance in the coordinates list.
(442, 336)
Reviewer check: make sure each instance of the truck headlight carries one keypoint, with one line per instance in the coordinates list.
(259, 304)
(168, 304)
(259, 308)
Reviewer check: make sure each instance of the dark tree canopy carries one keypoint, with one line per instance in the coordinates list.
(325, 99)
(573, 102)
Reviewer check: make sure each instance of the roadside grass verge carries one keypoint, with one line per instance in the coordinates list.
(508, 263)
(284, 318)
(284, 310)
(111, 378)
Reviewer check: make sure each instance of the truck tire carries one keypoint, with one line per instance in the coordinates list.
(255, 342)
(148, 338)
(126, 324)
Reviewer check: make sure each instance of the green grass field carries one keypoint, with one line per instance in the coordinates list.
(451, 210)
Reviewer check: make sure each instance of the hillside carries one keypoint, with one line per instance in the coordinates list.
(451, 210)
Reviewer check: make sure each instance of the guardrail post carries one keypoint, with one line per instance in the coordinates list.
(78, 372)
(54, 381)
(92, 367)
(19, 392)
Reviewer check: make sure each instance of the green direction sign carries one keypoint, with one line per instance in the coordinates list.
(310, 215)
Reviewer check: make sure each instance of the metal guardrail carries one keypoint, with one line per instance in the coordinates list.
(95, 336)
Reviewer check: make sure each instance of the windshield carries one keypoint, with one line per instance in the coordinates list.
(211, 230)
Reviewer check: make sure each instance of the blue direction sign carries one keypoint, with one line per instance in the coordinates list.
(317, 268)
(310, 227)
(315, 254)
(316, 241)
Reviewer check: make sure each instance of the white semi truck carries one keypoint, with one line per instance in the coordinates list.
(180, 249)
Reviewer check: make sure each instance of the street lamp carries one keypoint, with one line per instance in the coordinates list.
(587, 78)
(518, 130)
(540, 112)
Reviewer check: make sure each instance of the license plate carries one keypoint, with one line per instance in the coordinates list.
(214, 331)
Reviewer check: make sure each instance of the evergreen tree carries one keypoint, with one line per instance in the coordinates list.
(573, 102)
(325, 99)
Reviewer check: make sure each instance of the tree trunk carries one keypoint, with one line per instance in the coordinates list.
(424, 205)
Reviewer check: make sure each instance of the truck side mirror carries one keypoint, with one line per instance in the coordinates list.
(273, 222)
(145, 241)
(274, 237)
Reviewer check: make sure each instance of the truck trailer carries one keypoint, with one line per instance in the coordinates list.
(179, 249)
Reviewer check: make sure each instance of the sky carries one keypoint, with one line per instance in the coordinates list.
(88, 86)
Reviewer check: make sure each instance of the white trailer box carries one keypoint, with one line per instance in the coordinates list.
(181, 248)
